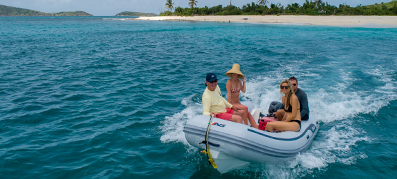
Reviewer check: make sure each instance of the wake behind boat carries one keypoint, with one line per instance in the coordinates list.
(233, 144)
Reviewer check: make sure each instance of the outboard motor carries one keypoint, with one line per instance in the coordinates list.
(274, 106)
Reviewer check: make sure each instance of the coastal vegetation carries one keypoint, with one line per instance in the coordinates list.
(128, 13)
(192, 3)
(316, 7)
(169, 5)
(14, 11)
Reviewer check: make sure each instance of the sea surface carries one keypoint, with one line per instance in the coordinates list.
(105, 97)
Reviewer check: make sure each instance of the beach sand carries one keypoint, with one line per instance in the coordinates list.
(342, 21)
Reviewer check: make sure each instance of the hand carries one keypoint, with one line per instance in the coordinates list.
(213, 114)
(274, 114)
(243, 79)
(235, 108)
(285, 117)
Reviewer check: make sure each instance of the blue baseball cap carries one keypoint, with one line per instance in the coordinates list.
(211, 77)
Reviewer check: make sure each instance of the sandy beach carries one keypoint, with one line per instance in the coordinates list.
(342, 21)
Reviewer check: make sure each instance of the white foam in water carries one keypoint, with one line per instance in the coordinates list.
(334, 147)
(338, 104)
(263, 88)
(172, 127)
(389, 88)
(116, 19)
(343, 103)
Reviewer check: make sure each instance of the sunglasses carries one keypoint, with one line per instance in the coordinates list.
(284, 87)
(214, 81)
(293, 84)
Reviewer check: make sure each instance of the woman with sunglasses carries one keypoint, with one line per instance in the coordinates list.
(233, 87)
(292, 118)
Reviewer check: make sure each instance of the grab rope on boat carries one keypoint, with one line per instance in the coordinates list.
(207, 147)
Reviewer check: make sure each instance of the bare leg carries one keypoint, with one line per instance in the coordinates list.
(236, 118)
(244, 116)
(245, 109)
(282, 126)
(252, 120)
(280, 114)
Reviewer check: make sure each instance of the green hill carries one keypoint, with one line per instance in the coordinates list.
(388, 5)
(128, 13)
(74, 13)
(14, 11)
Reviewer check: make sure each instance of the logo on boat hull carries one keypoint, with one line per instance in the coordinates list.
(217, 124)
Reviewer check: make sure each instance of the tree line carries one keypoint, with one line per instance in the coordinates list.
(316, 7)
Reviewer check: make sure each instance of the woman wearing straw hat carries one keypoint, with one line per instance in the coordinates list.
(233, 87)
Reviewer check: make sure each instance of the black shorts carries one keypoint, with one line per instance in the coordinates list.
(299, 122)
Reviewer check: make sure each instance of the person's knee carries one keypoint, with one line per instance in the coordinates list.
(245, 108)
(279, 114)
(239, 112)
(269, 126)
(237, 119)
(280, 111)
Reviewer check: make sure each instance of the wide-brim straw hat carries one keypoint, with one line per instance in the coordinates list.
(235, 69)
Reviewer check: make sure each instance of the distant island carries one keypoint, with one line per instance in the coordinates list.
(128, 13)
(14, 11)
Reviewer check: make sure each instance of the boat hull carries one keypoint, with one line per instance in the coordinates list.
(247, 144)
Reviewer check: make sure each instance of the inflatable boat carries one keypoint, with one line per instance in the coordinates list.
(232, 145)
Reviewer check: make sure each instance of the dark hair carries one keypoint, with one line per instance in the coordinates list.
(293, 78)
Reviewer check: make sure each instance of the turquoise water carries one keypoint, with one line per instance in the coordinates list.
(97, 97)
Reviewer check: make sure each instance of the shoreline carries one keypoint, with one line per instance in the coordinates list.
(339, 21)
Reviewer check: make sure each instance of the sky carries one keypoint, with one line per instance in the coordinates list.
(112, 7)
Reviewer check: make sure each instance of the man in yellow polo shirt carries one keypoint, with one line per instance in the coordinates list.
(215, 104)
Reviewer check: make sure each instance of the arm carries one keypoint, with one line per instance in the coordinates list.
(243, 89)
(294, 103)
(227, 104)
(285, 114)
(206, 105)
(305, 105)
(229, 91)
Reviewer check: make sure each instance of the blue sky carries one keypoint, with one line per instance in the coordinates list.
(112, 7)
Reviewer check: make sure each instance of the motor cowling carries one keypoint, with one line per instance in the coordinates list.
(274, 106)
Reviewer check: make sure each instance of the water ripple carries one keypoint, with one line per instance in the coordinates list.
(93, 98)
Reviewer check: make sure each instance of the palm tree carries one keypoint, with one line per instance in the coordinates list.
(192, 3)
(263, 2)
(169, 5)
(319, 4)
